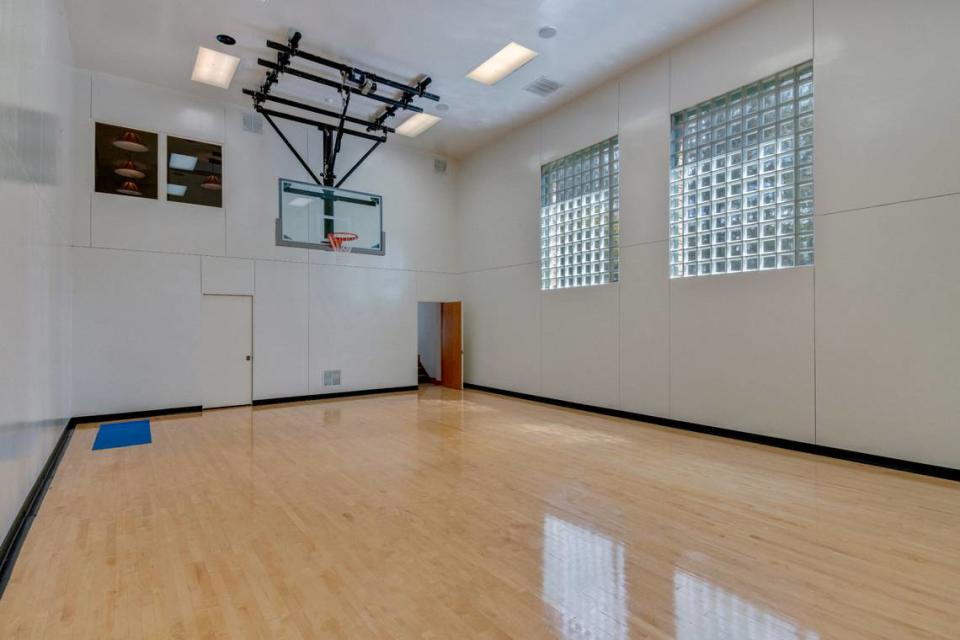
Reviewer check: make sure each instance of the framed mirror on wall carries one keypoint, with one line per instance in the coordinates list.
(194, 172)
(125, 161)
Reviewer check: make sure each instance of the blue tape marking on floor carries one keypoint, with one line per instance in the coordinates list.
(122, 434)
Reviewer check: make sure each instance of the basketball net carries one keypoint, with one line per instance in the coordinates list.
(340, 243)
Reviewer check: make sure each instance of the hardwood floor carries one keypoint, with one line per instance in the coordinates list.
(449, 514)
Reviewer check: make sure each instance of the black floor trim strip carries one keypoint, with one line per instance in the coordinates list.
(15, 537)
(133, 415)
(946, 473)
(336, 394)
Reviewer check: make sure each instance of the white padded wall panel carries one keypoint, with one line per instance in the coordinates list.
(280, 329)
(888, 310)
(227, 276)
(501, 325)
(580, 345)
(364, 323)
(498, 191)
(772, 36)
(887, 102)
(136, 330)
(644, 330)
(121, 101)
(644, 153)
(741, 352)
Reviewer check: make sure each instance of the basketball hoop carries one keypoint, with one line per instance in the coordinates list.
(339, 242)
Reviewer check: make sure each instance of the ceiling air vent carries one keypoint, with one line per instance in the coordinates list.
(543, 86)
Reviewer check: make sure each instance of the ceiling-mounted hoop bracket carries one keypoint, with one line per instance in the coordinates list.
(353, 81)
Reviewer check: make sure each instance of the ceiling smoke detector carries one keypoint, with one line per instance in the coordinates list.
(543, 86)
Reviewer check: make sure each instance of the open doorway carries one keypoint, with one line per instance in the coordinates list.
(440, 344)
(429, 337)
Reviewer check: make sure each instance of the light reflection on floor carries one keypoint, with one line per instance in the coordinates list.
(583, 580)
(705, 611)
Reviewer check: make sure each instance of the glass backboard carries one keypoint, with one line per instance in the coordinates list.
(308, 212)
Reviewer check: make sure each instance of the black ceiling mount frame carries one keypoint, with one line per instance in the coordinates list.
(353, 81)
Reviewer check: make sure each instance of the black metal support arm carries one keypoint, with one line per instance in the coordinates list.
(293, 149)
(337, 85)
(414, 91)
(370, 125)
(353, 81)
(323, 126)
(358, 163)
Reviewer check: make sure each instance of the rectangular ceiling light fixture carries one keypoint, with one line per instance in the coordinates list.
(417, 124)
(502, 63)
(183, 162)
(215, 68)
(177, 190)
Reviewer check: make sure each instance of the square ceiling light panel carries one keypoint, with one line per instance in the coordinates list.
(214, 68)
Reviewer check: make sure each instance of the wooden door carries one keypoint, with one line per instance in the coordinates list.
(451, 350)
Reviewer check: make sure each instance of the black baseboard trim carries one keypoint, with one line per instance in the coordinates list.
(13, 541)
(335, 394)
(133, 415)
(946, 473)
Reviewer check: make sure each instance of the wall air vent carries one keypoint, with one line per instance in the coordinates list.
(439, 165)
(543, 86)
(331, 377)
(252, 122)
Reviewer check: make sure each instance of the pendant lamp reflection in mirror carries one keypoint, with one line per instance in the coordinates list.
(129, 188)
(130, 141)
(125, 161)
(212, 183)
(128, 169)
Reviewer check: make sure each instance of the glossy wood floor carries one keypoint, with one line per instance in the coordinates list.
(466, 515)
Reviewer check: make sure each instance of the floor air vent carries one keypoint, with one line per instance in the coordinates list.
(331, 377)
(543, 86)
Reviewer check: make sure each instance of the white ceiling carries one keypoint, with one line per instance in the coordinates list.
(155, 41)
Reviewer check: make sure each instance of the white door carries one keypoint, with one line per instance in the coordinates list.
(227, 366)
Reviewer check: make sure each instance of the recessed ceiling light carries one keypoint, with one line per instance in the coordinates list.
(215, 68)
(227, 40)
(417, 124)
(299, 202)
(177, 190)
(547, 32)
(182, 162)
(443, 107)
(502, 63)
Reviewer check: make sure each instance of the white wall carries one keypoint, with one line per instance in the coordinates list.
(35, 193)
(429, 337)
(857, 352)
(141, 266)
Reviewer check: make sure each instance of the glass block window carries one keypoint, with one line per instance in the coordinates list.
(741, 179)
(580, 218)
